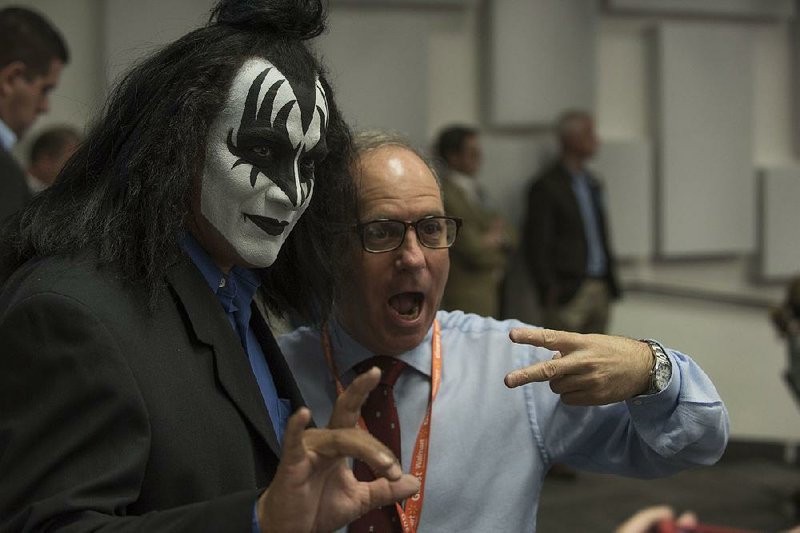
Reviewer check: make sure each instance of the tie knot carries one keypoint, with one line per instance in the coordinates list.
(391, 368)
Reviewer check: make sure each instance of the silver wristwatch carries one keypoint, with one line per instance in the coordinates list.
(661, 372)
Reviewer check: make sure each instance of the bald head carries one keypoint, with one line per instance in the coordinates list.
(576, 133)
(390, 298)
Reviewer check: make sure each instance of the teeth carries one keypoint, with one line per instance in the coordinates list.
(407, 305)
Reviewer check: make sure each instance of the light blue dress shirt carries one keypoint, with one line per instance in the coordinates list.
(596, 263)
(7, 137)
(491, 446)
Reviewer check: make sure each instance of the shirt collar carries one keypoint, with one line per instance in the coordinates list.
(246, 280)
(34, 185)
(579, 177)
(468, 183)
(347, 353)
(7, 137)
(210, 271)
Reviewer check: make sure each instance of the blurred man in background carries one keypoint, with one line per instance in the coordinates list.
(565, 237)
(479, 258)
(32, 56)
(49, 151)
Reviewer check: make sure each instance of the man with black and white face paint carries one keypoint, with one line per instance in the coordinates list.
(142, 388)
(259, 171)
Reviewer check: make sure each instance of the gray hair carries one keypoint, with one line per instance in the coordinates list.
(368, 140)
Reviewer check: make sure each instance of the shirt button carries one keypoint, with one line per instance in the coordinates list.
(221, 283)
(637, 402)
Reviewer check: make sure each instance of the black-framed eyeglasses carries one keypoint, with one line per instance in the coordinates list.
(385, 235)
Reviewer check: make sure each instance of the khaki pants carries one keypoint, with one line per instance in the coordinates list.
(587, 312)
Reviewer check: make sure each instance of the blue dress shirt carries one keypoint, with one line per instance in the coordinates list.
(235, 293)
(596, 261)
(7, 137)
(491, 446)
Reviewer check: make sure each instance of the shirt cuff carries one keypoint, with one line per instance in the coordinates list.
(256, 527)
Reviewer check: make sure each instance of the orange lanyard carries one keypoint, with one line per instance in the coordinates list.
(409, 517)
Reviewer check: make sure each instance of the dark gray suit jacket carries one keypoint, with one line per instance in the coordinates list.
(14, 191)
(554, 238)
(114, 417)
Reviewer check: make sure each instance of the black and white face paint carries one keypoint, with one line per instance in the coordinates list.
(259, 169)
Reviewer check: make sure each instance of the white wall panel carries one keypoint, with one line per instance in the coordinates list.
(626, 168)
(510, 161)
(705, 135)
(434, 4)
(779, 223)
(794, 73)
(773, 126)
(378, 61)
(134, 29)
(509, 164)
(771, 9)
(541, 59)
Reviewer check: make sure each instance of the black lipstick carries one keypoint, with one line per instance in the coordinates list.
(270, 225)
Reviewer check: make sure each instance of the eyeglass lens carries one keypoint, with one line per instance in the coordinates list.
(433, 232)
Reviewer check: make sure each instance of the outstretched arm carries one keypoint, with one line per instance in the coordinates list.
(618, 428)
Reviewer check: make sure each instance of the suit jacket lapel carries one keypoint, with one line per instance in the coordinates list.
(564, 183)
(232, 367)
(284, 380)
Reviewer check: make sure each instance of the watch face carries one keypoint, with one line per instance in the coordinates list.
(662, 369)
(662, 375)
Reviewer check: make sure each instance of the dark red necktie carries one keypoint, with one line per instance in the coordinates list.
(380, 415)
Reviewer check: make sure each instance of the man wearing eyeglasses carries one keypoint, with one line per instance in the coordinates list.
(479, 448)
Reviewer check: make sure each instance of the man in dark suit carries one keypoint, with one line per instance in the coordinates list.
(32, 55)
(565, 238)
(140, 387)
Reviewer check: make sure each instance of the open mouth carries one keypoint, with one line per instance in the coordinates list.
(270, 225)
(407, 304)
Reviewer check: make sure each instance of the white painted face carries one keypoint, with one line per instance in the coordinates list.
(259, 168)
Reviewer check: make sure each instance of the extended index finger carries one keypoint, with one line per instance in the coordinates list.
(543, 371)
(347, 408)
(293, 449)
(552, 339)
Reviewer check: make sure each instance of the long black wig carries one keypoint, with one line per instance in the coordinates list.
(126, 193)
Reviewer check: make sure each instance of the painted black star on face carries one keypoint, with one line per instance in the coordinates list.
(258, 173)
(272, 139)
